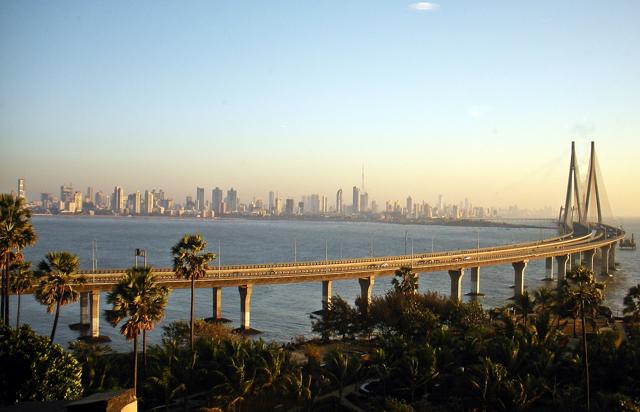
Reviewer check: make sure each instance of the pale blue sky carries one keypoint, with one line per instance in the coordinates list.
(468, 99)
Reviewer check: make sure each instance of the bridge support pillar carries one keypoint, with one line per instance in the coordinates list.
(366, 286)
(587, 259)
(612, 257)
(475, 282)
(217, 303)
(84, 308)
(548, 264)
(519, 268)
(95, 313)
(456, 283)
(327, 291)
(245, 306)
(604, 259)
(562, 266)
(575, 260)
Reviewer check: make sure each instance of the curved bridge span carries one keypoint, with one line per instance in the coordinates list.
(593, 245)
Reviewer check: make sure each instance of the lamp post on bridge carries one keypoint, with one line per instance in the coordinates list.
(142, 253)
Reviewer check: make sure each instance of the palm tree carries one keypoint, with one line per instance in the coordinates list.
(341, 368)
(405, 281)
(543, 298)
(16, 233)
(590, 295)
(524, 305)
(22, 278)
(59, 287)
(632, 304)
(190, 262)
(138, 298)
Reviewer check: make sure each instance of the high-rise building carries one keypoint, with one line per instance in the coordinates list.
(66, 193)
(409, 206)
(272, 201)
(137, 203)
(355, 208)
(288, 207)
(339, 208)
(47, 200)
(200, 198)
(301, 208)
(21, 192)
(314, 204)
(102, 200)
(232, 200)
(216, 201)
(118, 200)
(364, 202)
(90, 196)
(148, 202)
(77, 200)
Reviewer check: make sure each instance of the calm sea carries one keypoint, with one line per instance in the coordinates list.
(281, 312)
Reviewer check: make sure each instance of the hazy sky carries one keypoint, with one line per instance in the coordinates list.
(464, 98)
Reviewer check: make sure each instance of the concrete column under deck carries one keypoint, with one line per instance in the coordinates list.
(604, 259)
(456, 283)
(548, 264)
(475, 282)
(95, 313)
(519, 268)
(327, 291)
(587, 259)
(84, 308)
(366, 286)
(217, 303)
(245, 306)
(562, 266)
(612, 257)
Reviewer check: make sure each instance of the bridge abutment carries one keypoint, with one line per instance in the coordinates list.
(245, 306)
(456, 283)
(519, 268)
(217, 303)
(562, 266)
(327, 291)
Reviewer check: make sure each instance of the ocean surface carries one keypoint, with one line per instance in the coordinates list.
(281, 312)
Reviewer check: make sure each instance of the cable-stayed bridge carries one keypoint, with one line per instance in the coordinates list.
(584, 240)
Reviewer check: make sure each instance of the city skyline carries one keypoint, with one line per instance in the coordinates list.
(464, 99)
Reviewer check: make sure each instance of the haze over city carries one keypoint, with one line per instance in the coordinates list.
(465, 99)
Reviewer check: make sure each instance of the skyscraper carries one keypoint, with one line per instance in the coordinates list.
(409, 206)
(77, 200)
(339, 209)
(148, 202)
(21, 193)
(232, 200)
(66, 193)
(118, 200)
(288, 207)
(355, 208)
(364, 201)
(200, 198)
(216, 201)
(90, 197)
(272, 201)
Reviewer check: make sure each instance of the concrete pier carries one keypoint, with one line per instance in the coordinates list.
(612, 257)
(327, 291)
(587, 259)
(245, 306)
(562, 266)
(456, 283)
(366, 286)
(475, 282)
(84, 308)
(95, 313)
(519, 268)
(548, 264)
(217, 303)
(604, 259)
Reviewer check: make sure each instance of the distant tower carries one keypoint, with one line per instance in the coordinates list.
(117, 204)
(200, 198)
(21, 192)
(272, 201)
(232, 200)
(148, 202)
(409, 206)
(355, 208)
(216, 201)
(339, 209)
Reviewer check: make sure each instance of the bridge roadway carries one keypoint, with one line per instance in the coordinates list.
(565, 250)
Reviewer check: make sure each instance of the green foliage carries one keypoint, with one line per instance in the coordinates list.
(632, 305)
(405, 281)
(34, 369)
(339, 319)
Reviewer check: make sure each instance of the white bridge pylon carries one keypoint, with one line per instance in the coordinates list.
(576, 206)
